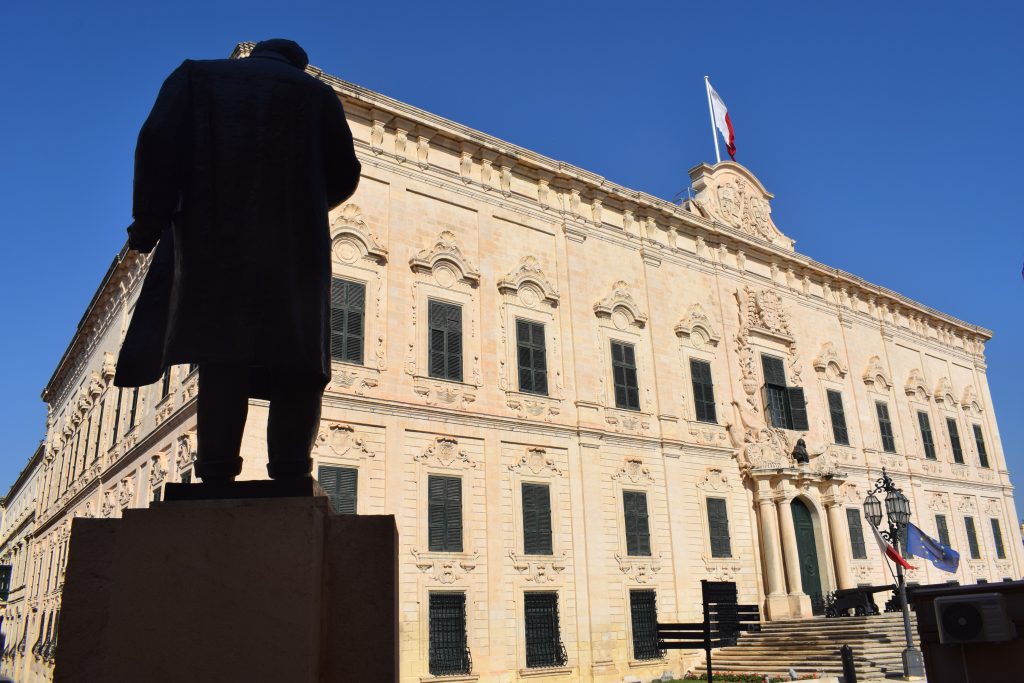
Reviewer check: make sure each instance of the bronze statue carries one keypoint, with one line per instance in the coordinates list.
(236, 168)
(800, 454)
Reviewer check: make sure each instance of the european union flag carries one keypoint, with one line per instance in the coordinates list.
(919, 544)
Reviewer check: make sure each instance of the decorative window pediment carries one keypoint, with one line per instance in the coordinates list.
(634, 471)
(621, 302)
(696, 328)
(944, 393)
(529, 283)
(715, 480)
(876, 376)
(969, 402)
(445, 452)
(339, 439)
(445, 258)
(351, 238)
(829, 363)
(916, 387)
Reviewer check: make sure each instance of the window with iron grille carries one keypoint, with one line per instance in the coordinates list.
(638, 535)
(627, 391)
(444, 514)
(536, 519)
(885, 427)
(445, 323)
(703, 391)
(979, 441)
(972, 538)
(785, 406)
(543, 641)
(926, 434)
(853, 523)
(942, 529)
(954, 441)
(838, 415)
(348, 312)
(531, 357)
(340, 484)
(644, 616)
(997, 537)
(718, 528)
(448, 648)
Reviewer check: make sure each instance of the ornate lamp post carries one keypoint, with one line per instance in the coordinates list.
(897, 512)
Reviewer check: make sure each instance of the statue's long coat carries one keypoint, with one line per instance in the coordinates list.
(236, 169)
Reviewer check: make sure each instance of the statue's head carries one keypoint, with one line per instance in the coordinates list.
(288, 49)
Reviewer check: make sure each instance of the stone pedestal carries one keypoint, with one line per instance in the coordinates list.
(231, 590)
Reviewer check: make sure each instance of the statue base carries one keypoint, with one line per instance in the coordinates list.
(242, 589)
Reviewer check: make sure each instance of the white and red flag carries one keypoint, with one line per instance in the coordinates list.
(720, 116)
(888, 550)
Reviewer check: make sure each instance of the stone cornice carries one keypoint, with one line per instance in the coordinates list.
(612, 195)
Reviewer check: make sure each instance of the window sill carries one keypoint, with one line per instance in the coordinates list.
(639, 663)
(459, 678)
(547, 671)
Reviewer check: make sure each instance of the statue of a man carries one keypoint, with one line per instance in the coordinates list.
(236, 169)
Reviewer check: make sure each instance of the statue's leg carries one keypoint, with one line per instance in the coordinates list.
(223, 405)
(292, 426)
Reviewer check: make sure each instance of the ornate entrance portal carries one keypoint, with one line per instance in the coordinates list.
(810, 574)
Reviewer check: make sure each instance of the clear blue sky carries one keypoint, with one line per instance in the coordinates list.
(889, 132)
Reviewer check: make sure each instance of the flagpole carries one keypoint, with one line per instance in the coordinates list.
(711, 112)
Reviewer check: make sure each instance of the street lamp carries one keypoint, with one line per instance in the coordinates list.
(897, 512)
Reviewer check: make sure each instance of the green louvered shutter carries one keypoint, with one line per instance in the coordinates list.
(954, 441)
(444, 514)
(885, 427)
(856, 534)
(979, 441)
(797, 409)
(835, 409)
(997, 537)
(972, 538)
(926, 435)
(718, 526)
(536, 519)
(703, 391)
(348, 310)
(445, 353)
(638, 534)
(942, 529)
(340, 485)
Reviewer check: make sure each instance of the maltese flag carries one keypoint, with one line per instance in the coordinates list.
(723, 123)
(888, 550)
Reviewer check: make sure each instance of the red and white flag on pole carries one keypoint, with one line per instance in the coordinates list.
(720, 113)
(888, 550)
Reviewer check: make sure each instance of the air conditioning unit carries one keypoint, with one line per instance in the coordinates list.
(977, 618)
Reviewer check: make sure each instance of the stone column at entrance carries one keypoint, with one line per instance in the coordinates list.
(840, 536)
(777, 603)
(800, 602)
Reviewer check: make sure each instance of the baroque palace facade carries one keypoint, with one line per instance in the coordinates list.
(577, 399)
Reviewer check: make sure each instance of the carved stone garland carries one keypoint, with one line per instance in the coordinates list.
(340, 440)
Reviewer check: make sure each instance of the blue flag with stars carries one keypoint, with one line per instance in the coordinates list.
(919, 544)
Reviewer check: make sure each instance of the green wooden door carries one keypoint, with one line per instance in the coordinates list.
(810, 575)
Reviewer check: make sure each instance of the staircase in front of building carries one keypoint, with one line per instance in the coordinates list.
(812, 645)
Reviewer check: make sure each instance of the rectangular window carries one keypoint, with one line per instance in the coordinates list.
(340, 484)
(926, 434)
(856, 533)
(99, 432)
(445, 323)
(165, 387)
(703, 391)
(627, 391)
(644, 617)
(718, 528)
(117, 417)
(536, 519)
(134, 410)
(543, 640)
(972, 538)
(444, 514)
(186, 477)
(885, 427)
(638, 534)
(979, 441)
(997, 537)
(954, 441)
(942, 529)
(786, 406)
(835, 410)
(348, 310)
(448, 649)
(531, 357)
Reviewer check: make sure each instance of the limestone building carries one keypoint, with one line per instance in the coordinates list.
(577, 399)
